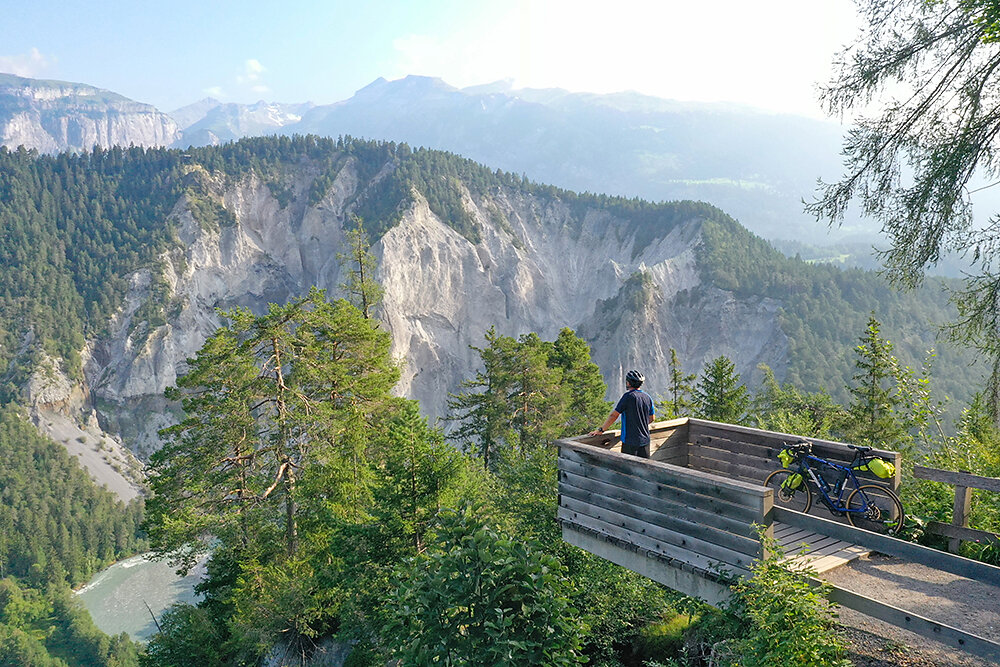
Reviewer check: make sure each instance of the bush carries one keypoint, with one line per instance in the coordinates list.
(788, 622)
(479, 598)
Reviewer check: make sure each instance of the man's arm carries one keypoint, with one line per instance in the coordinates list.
(612, 418)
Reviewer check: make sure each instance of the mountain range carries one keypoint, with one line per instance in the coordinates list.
(755, 165)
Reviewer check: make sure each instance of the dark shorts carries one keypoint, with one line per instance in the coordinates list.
(632, 450)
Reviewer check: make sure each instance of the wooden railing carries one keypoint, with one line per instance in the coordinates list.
(964, 483)
(686, 519)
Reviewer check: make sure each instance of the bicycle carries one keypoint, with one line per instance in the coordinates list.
(869, 506)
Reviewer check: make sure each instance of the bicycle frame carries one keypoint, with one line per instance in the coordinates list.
(821, 485)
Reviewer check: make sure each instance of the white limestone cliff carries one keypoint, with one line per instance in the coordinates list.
(538, 271)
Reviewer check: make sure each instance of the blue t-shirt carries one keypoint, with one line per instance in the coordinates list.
(636, 407)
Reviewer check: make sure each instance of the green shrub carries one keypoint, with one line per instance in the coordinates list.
(479, 598)
(788, 622)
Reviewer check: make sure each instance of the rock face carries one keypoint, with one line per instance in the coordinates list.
(540, 270)
(54, 116)
(206, 124)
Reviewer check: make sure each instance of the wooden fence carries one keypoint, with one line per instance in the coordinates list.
(679, 526)
(964, 483)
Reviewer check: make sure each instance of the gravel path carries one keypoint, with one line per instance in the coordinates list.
(961, 603)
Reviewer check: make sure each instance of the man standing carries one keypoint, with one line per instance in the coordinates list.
(636, 410)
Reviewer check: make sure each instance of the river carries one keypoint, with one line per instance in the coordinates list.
(117, 597)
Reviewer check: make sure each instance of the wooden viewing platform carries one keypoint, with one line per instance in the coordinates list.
(688, 517)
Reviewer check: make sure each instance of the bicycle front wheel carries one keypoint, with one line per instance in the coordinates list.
(798, 499)
(883, 512)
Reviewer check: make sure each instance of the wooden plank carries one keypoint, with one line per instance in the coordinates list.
(960, 515)
(961, 532)
(957, 478)
(677, 505)
(799, 538)
(829, 449)
(680, 520)
(764, 466)
(755, 456)
(736, 446)
(673, 436)
(668, 451)
(837, 559)
(688, 583)
(645, 541)
(827, 563)
(921, 625)
(692, 480)
(680, 460)
(665, 492)
(642, 526)
(940, 560)
(727, 469)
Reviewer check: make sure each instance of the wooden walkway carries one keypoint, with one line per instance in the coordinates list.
(690, 518)
(820, 552)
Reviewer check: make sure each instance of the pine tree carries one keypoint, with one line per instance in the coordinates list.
(719, 395)
(269, 401)
(364, 291)
(581, 383)
(875, 403)
(680, 387)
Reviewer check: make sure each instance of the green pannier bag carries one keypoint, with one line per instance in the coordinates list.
(792, 482)
(879, 468)
(786, 458)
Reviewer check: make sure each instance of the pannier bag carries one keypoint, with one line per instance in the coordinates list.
(879, 468)
(792, 482)
(786, 457)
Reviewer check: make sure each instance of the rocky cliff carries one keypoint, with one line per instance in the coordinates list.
(537, 266)
(54, 116)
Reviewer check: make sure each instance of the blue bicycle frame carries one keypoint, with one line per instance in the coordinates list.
(836, 504)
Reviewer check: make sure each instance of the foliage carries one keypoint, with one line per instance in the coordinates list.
(363, 290)
(788, 622)
(56, 525)
(822, 309)
(51, 628)
(529, 392)
(681, 389)
(186, 637)
(480, 598)
(269, 400)
(928, 66)
(786, 409)
(720, 396)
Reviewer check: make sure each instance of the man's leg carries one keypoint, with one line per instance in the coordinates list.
(631, 450)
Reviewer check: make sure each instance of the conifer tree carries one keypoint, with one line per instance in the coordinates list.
(720, 396)
(364, 291)
(267, 399)
(680, 387)
(875, 402)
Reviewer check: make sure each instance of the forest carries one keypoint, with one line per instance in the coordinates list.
(334, 510)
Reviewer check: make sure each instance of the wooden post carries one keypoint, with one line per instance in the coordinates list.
(960, 515)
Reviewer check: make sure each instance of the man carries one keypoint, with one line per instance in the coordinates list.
(635, 407)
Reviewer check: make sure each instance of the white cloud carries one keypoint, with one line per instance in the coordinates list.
(215, 91)
(252, 69)
(30, 64)
(260, 88)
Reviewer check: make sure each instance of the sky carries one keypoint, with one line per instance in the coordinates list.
(769, 54)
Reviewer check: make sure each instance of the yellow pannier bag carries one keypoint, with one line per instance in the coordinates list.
(879, 468)
(786, 458)
(792, 482)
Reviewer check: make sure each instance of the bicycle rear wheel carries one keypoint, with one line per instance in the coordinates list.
(799, 499)
(883, 510)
